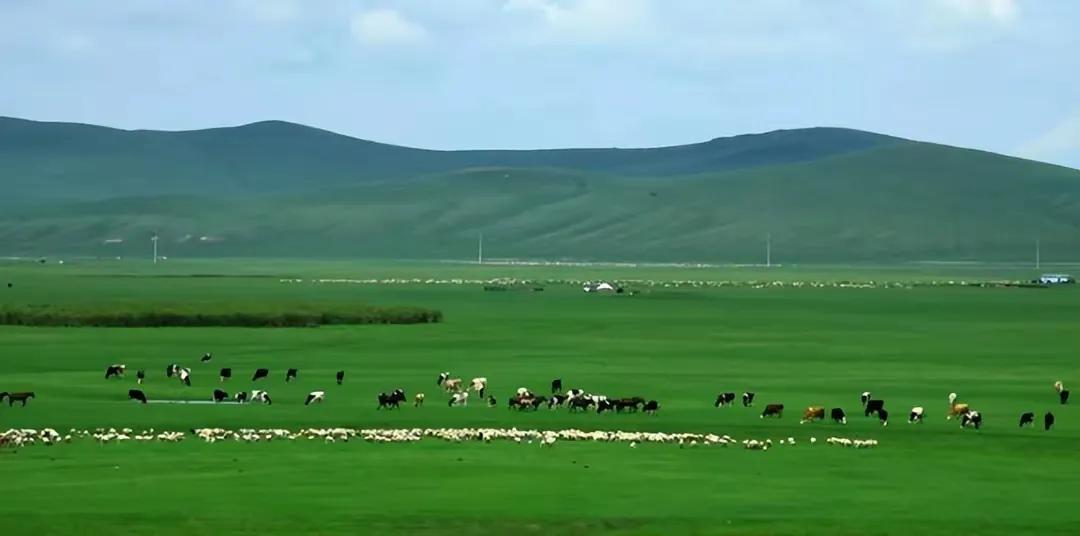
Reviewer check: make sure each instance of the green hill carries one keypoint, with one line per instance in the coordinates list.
(278, 189)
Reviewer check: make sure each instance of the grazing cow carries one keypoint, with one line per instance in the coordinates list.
(1064, 397)
(1027, 419)
(604, 405)
(580, 403)
(651, 407)
(972, 418)
(260, 374)
(448, 384)
(392, 400)
(241, 397)
(135, 394)
(140, 375)
(225, 374)
(535, 402)
(206, 357)
(220, 396)
(883, 416)
(773, 410)
(556, 386)
(724, 399)
(478, 385)
(185, 376)
(747, 399)
(865, 398)
(16, 397)
(315, 397)
(873, 406)
(115, 371)
(290, 375)
(916, 415)
(261, 396)
(838, 416)
(957, 410)
(459, 399)
(491, 402)
(1048, 421)
(813, 413)
(418, 400)
(171, 370)
(632, 403)
(340, 376)
(557, 400)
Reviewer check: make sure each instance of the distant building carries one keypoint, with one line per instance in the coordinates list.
(1055, 279)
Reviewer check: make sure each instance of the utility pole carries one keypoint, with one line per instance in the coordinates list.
(768, 250)
(480, 250)
(155, 240)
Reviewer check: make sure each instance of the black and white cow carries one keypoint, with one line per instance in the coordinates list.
(557, 400)
(290, 375)
(459, 399)
(185, 376)
(916, 415)
(556, 386)
(873, 406)
(391, 400)
(724, 399)
(580, 403)
(604, 405)
(261, 396)
(340, 377)
(171, 370)
(225, 374)
(651, 407)
(838, 415)
(883, 416)
(747, 399)
(220, 396)
(1027, 419)
(491, 402)
(972, 418)
(135, 394)
(864, 398)
(115, 371)
(315, 397)
(241, 397)
(260, 374)
(206, 357)
(1048, 421)
(140, 375)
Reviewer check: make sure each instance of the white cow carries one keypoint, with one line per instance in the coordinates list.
(459, 399)
(478, 385)
(315, 397)
(916, 415)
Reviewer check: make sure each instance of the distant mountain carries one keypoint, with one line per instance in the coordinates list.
(280, 189)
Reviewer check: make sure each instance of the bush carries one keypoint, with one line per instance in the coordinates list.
(47, 316)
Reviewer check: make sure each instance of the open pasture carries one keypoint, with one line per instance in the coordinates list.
(999, 349)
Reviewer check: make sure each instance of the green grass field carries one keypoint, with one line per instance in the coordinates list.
(1000, 349)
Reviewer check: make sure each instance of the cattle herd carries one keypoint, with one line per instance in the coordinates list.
(575, 400)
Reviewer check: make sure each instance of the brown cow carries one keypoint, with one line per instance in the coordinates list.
(957, 409)
(773, 410)
(813, 413)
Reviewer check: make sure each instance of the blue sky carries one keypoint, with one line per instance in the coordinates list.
(1001, 75)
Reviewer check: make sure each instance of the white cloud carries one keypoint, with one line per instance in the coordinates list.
(386, 27)
(271, 10)
(1057, 144)
(590, 19)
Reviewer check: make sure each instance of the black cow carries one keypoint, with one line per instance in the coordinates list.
(747, 399)
(140, 375)
(206, 357)
(13, 397)
(773, 410)
(1064, 396)
(651, 407)
(226, 374)
(873, 406)
(973, 418)
(605, 405)
(340, 376)
(392, 400)
(260, 374)
(724, 399)
(135, 394)
(220, 396)
(883, 416)
(580, 403)
(290, 375)
(1027, 419)
(114, 371)
(838, 415)
(241, 397)
(633, 404)
(1048, 421)
(556, 386)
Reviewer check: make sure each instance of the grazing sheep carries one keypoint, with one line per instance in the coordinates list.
(315, 397)
(418, 400)
(1027, 419)
(135, 394)
(225, 374)
(260, 374)
(115, 371)
(916, 415)
(1048, 421)
(340, 376)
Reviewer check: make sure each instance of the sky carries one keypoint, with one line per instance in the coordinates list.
(999, 75)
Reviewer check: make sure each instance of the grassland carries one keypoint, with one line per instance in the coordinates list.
(999, 348)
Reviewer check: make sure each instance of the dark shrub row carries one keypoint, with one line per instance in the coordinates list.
(368, 315)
